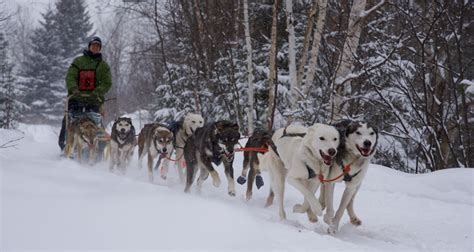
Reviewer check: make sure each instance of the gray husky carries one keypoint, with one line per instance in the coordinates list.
(213, 143)
(122, 143)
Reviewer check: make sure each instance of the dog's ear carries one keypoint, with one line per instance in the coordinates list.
(219, 126)
(352, 127)
(235, 127)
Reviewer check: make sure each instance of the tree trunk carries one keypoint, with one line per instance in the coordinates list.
(315, 45)
(248, 43)
(307, 35)
(294, 85)
(273, 79)
(351, 43)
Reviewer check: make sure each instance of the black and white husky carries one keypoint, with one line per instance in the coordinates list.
(182, 131)
(355, 152)
(122, 143)
(213, 143)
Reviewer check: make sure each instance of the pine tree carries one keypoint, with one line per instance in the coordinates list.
(74, 26)
(9, 106)
(61, 35)
(43, 74)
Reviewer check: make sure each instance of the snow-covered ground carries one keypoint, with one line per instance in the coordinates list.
(55, 204)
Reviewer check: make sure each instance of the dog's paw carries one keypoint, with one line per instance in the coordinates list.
(327, 219)
(241, 180)
(248, 195)
(311, 217)
(269, 201)
(163, 176)
(232, 193)
(216, 181)
(259, 181)
(316, 208)
(298, 208)
(356, 221)
(332, 229)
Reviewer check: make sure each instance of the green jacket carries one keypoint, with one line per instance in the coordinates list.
(103, 80)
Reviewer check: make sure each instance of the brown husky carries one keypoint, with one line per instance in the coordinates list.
(156, 140)
(81, 133)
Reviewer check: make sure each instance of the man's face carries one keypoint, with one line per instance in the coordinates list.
(95, 47)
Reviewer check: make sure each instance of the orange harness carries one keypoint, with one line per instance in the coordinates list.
(255, 149)
(345, 171)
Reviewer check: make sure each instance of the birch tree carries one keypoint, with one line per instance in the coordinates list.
(346, 64)
(294, 85)
(307, 40)
(273, 80)
(322, 9)
(248, 44)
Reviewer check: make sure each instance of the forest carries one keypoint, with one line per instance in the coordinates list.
(406, 67)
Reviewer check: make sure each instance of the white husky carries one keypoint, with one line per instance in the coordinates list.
(303, 155)
(356, 152)
(187, 127)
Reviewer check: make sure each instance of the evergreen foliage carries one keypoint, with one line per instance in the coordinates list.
(9, 105)
(60, 36)
(74, 26)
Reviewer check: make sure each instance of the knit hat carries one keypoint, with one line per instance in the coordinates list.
(95, 39)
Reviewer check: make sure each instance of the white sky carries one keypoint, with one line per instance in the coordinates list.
(97, 8)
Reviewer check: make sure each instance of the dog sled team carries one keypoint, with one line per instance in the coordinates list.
(308, 158)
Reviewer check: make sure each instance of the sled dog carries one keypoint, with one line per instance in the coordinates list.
(82, 133)
(213, 143)
(357, 148)
(122, 143)
(182, 131)
(304, 156)
(259, 139)
(155, 139)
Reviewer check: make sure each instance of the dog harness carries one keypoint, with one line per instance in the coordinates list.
(345, 172)
(285, 134)
(347, 176)
(311, 173)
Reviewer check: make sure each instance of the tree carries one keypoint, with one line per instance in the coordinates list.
(322, 7)
(9, 106)
(248, 43)
(42, 74)
(294, 85)
(73, 26)
(273, 78)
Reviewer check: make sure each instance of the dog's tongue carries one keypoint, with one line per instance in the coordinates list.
(326, 158)
(365, 151)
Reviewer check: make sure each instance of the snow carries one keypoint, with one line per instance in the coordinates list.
(55, 204)
(469, 86)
